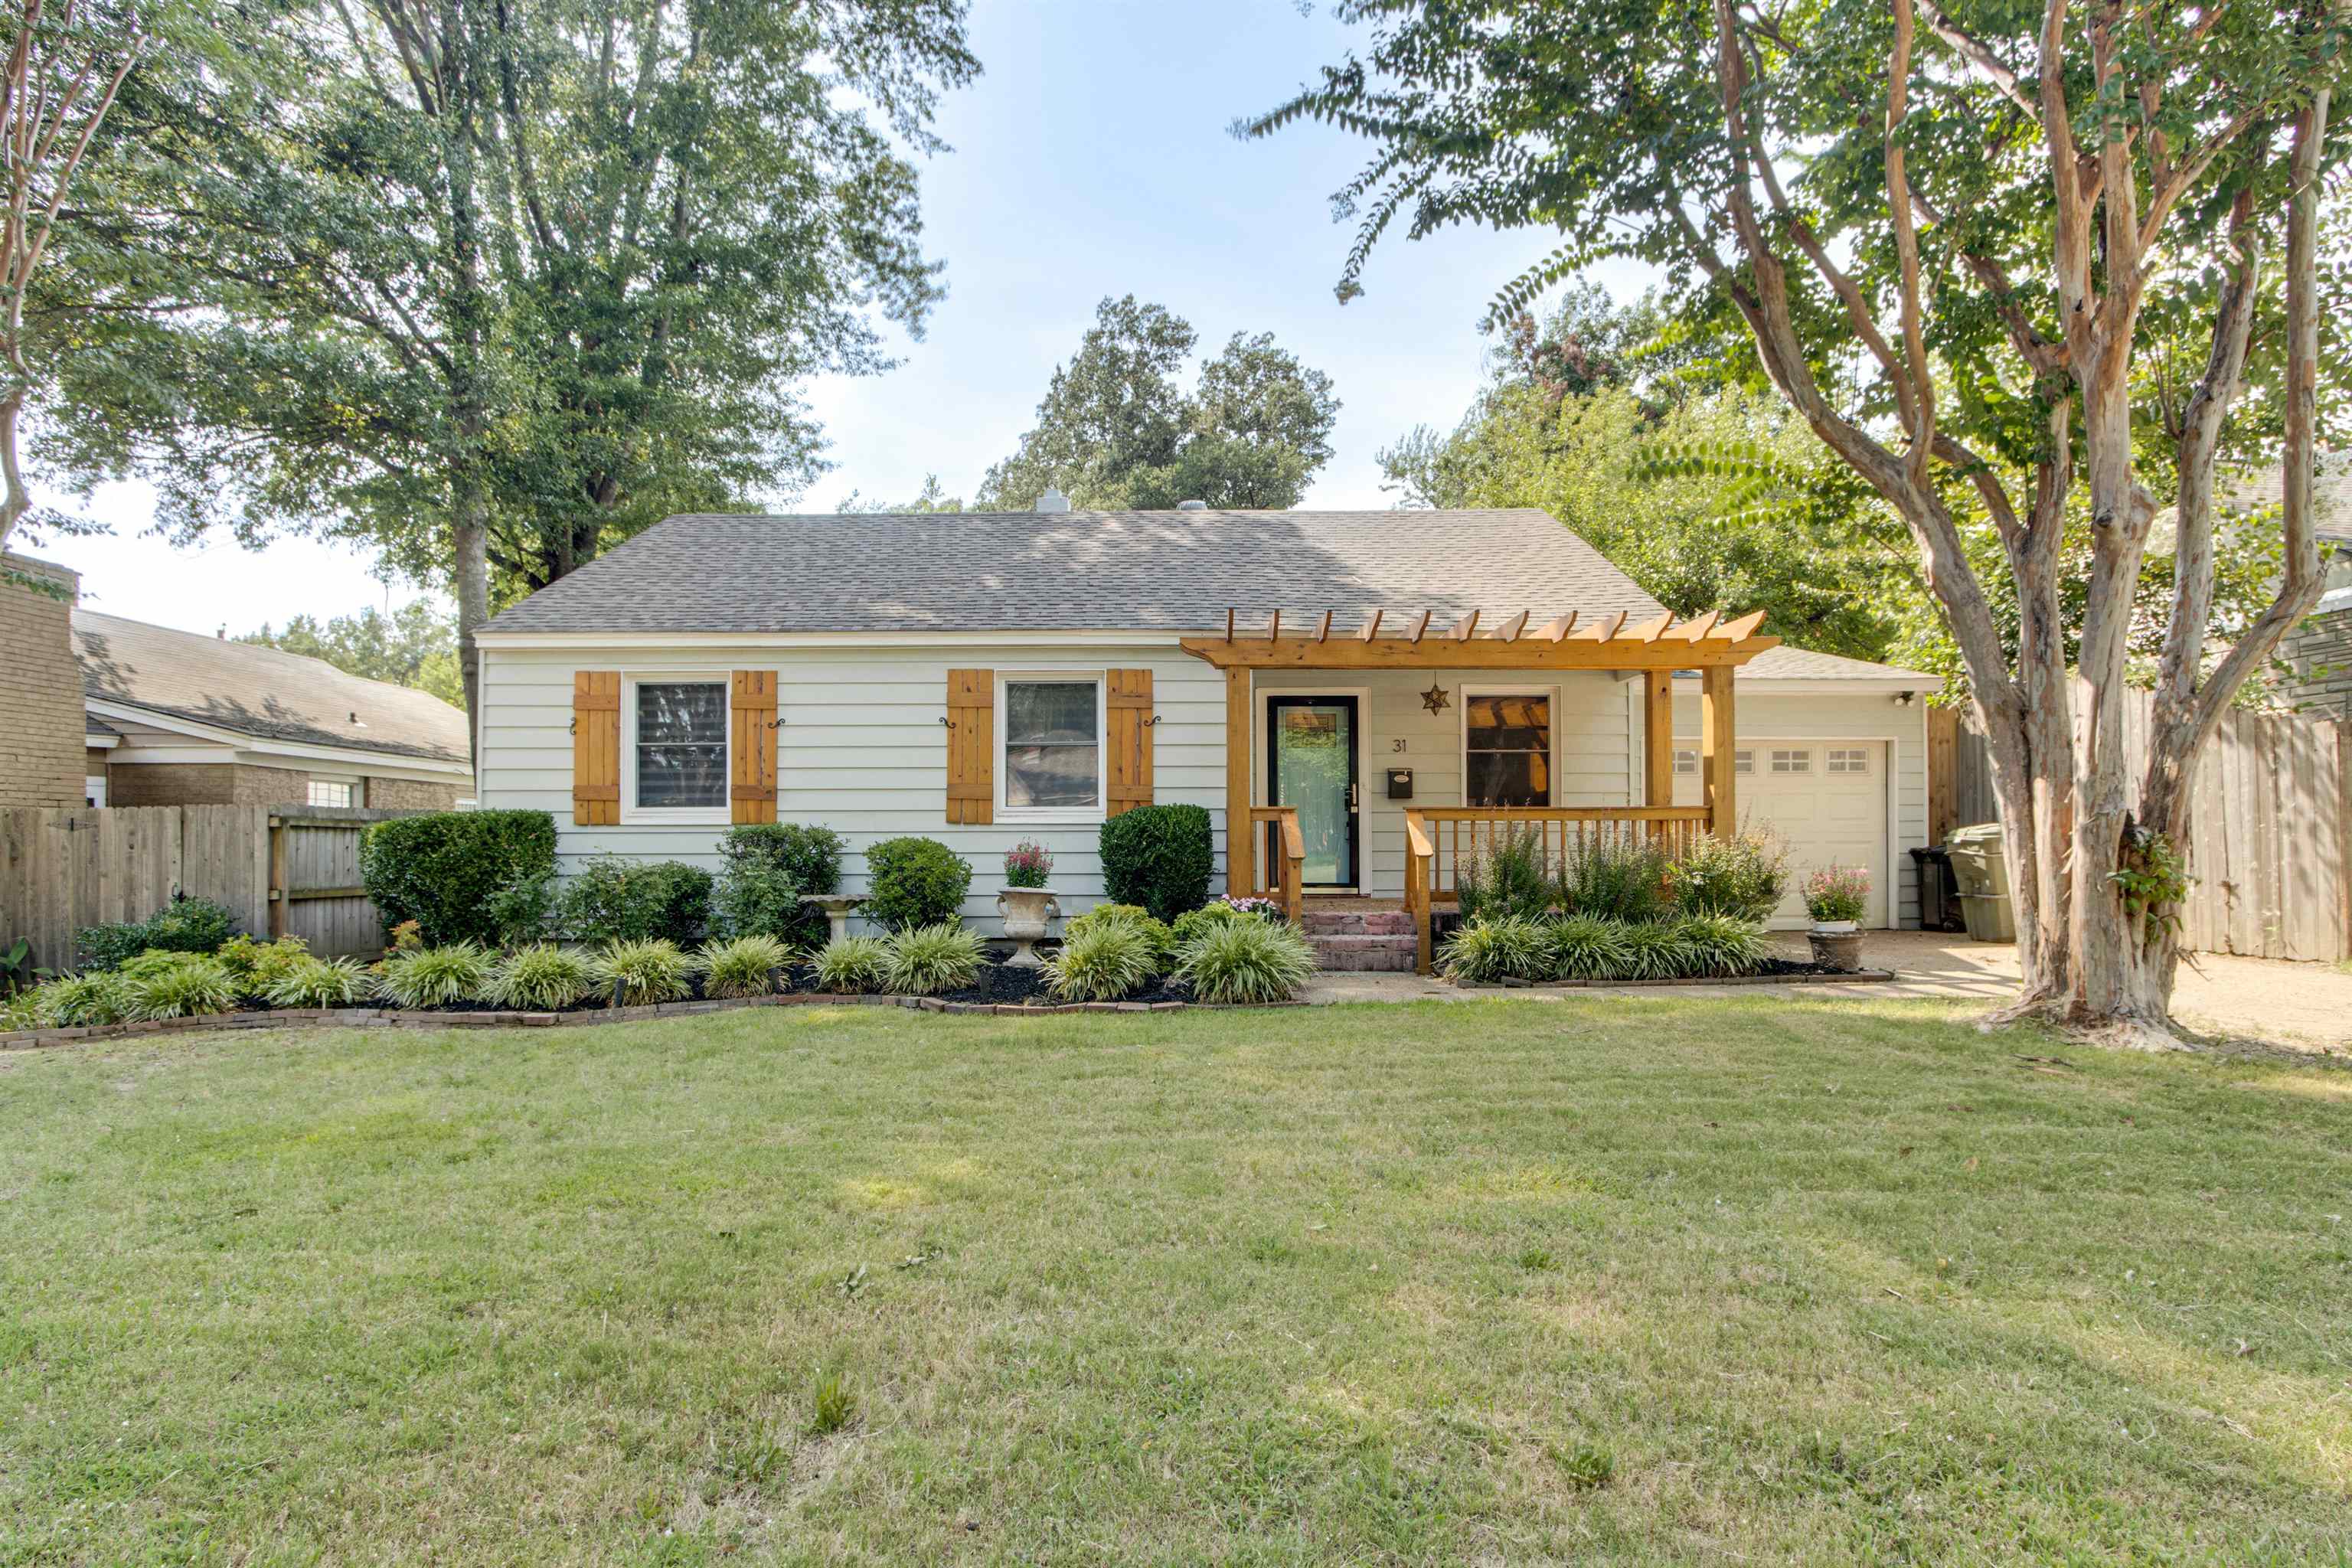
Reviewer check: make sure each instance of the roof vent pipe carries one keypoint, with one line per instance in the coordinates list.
(1192, 506)
(1053, 500)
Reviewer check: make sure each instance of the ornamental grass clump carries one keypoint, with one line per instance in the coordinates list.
(78, 1001)
(316, 983)
(1159, 941)
(433, 976)
(1247, 961)
(541, 978)
(1585, 947)
(852, 965)
(1495, 948)
(744, 966)
(641, 971)
(1104, 962)
(1721, 944)
(1656, 950)
(927, 960)
(178, 985)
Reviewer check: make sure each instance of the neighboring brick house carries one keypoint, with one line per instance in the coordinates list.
(41, 744)
(176, 718)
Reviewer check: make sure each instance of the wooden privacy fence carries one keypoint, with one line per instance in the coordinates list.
(2269, 836)
(279, 870)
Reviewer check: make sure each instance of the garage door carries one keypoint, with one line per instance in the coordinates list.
(1828, 798)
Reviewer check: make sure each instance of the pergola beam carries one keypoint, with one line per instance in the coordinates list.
(1307, 652)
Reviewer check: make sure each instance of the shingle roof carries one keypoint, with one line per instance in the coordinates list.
(259, 691)
(1075, 571)
(1799, 664)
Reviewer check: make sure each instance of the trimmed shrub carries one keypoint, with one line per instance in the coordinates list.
(184, 925)
(1613, 875)
(1494, 948)
(1507, 876)
(443, 869)
(163, 984)
(914, 882)
(768, 866)
(316, 983)
(849, 965)
(1584, 947)
(1160, 942)
(1104, 962)
(1247, 961)
(741, 967)
(75, 1001)
(644, 969)
(1159, 856)
(924, 960)
(541, 977)
(433, 976)
(1741, 876)
(1721, 944)
(618, 900)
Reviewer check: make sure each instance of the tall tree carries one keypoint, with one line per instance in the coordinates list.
(1955, 185)
(416, 645)
(1116, 431)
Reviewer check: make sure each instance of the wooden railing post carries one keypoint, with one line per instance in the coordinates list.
(1717, 733)
(1419, 853)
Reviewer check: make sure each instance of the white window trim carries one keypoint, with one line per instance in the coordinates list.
(1462, 732)
(1002, 770)
(350, 781)
(689, 816)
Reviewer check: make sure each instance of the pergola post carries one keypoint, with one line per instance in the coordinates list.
(1716, 732)
(1658, 737)
(1241, 836)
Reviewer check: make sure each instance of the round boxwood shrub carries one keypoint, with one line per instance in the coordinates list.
(442, 869)
(767, 866)
(1159, 856)
(614, 898)
(914, 882)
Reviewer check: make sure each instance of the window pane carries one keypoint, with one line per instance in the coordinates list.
(1050, 776)
(1051, 757)
(681, 744)
(1507, 747)
(1509, 778)
(1058, 712)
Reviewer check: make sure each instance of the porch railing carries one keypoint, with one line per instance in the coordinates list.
(1278, 870)
(1437, 838)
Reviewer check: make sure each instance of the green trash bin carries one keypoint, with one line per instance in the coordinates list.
(1981, 866)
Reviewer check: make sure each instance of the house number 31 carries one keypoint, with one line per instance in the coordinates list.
(1397, 745)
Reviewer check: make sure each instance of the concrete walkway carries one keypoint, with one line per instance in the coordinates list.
(2305, 1005)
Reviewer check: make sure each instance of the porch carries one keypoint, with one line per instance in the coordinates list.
(1345, 777)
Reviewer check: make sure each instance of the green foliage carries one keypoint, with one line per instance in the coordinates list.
(851, 966)
(1493, 948)
(743, 965)
(1103, 961)
(433, 976)
(76, 1001)
(259, 966)
(1723, 944)
(1742, 875)
(2153, 881)
(1246, 961)
(1113, 432)
(1506, 874)
(1159, 942)
(1585, 947)
(541, 977)
(1617, 875)
(614, 898)
(443, 869)
(415, 646)
(832, 1405)
(177, 985)
(310, 982)
(1027, 864)
(923, 961)
(1159, 856)
(1192, 924)
(1838, 893)
(184, 925)
(766, 867)
(914, 882)
(642, 970)
(524, 909)
(1656, 950)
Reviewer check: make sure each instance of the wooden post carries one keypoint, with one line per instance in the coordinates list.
(1241, 834)
(1658, 738)
(278, 888)
(1717, 740)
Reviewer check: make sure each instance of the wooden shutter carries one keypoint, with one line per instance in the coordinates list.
(971, 745)
(1127, 761)
(596, 747)
(751, 723)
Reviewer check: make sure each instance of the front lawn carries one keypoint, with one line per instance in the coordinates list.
(1599, 1279)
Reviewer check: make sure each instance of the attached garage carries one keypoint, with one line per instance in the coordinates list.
(1831, 753)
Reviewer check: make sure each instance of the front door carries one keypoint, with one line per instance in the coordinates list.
(1311, 746)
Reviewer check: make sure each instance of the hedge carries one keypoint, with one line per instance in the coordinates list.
(442, 869)
(1159, 857)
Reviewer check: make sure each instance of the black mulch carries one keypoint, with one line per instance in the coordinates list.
(1004, 985)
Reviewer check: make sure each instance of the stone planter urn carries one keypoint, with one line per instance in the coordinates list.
(837, 907)
(1837, 945)
(1025, 911)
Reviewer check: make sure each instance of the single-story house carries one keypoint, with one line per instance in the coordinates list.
(175, 718)
(1365, 691)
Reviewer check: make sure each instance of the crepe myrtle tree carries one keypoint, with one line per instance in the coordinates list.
(1938, 222)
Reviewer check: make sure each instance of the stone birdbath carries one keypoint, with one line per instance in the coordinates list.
(837, 907)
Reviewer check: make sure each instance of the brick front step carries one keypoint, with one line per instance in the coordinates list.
(1355, 922)
(1360, 953)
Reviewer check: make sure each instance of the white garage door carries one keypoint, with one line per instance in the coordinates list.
(1828, 798)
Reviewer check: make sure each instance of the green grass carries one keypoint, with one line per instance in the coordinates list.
(1599, 1279)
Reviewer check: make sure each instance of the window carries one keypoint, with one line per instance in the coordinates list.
(1849, 760)
(1792, 762)
(333, 791)
(1507, 748)
(1053, 744)
(93, 789)
(1686, 761)
(678, 746)
(1743, 761)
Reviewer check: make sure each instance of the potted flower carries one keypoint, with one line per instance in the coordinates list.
(1025, 904)
(1835, 896)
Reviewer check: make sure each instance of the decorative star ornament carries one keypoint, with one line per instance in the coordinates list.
(1434, 699)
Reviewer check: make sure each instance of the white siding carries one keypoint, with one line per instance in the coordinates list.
(861, 750)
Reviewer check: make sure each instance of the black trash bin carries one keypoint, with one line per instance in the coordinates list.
(1939, 893)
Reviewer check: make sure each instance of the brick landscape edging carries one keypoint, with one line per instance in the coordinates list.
(1856, 977)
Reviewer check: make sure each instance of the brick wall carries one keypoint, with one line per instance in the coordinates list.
(40, 745)
(410, 794)
(2320, 651)
(203, 784)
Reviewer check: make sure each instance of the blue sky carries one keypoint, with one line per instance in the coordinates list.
(1091, 158)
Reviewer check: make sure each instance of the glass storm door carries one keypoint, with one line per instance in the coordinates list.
(1312, 747)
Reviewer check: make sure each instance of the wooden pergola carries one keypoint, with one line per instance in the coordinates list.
(1713, 644)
